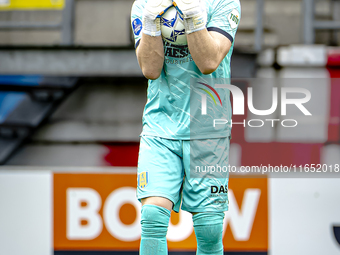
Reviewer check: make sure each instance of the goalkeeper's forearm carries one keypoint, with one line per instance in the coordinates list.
(150, 55)
(208, 49)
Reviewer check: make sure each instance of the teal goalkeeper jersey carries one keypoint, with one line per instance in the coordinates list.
(174, 107)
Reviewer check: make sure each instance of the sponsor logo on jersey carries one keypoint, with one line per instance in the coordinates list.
(175, 51)
(220, 202)
(143, 179)
(137, 26)
(234, 18)
(219, 189)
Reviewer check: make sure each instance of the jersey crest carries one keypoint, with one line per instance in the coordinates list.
(143, 179)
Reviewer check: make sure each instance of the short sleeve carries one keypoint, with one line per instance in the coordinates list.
(225, 17)
(136, 20)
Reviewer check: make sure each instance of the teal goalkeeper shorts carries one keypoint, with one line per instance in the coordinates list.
(190, 173)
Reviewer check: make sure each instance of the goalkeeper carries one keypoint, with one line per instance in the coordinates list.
(169, 145)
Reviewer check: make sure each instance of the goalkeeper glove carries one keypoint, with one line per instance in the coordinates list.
(153, 10)
(194, 14)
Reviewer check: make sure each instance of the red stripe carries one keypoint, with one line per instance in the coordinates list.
(122, 154)
(334, 114)
(333, 58)
(277, 154)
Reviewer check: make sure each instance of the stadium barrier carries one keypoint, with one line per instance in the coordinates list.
(91, 210)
